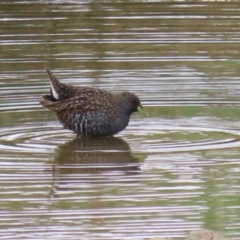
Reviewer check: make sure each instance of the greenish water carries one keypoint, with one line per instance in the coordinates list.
(165, 175)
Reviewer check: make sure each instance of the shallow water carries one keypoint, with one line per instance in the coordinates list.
(166, 174)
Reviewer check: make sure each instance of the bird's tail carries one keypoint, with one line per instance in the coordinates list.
(59, 91)
(55, 85)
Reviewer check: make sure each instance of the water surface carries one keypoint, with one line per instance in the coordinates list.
(165, 175)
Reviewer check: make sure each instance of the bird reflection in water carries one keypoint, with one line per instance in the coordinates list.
(92, 160)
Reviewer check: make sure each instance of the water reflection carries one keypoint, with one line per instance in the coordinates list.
(77, 160)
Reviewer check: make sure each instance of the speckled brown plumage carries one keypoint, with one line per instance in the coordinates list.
(90, 111)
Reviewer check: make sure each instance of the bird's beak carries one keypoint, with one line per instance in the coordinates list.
(142, 110)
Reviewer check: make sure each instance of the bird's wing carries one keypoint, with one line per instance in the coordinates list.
(74, 104)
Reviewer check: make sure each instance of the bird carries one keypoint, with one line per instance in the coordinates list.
(88, 111)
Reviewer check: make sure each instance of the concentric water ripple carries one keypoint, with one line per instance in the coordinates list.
(149, 136)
